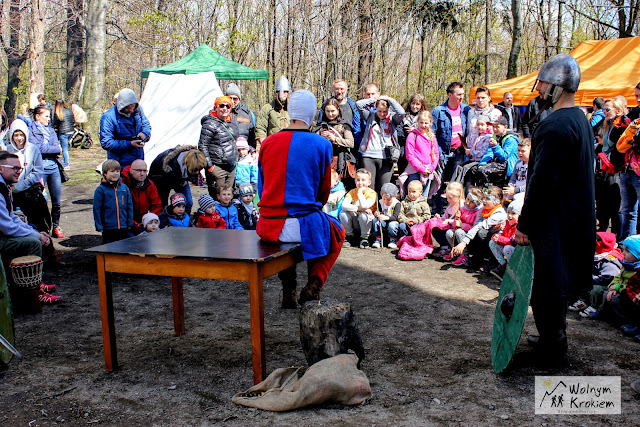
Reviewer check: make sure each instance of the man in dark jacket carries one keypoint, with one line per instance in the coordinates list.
(563, 235)
(348, 110)
(243, 116)
(533, 115)
(124, 129)
(511, 112)
(143, 192)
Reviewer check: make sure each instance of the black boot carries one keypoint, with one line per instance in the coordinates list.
(311, 292)
(289, 286)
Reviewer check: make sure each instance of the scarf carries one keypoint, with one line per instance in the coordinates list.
(45, 131)
(629, 266)
(486, 213)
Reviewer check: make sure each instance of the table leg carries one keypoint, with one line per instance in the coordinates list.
(178, 305)
(106, 312)
(256, 304)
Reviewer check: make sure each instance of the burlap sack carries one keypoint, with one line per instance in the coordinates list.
(335, 380)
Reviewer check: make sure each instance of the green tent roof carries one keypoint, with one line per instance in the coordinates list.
(205, 59)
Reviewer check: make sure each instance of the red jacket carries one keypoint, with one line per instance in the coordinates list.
(508, 231)
(210, 221)
(145, 198)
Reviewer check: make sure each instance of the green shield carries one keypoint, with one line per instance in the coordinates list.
(6, 317)
(512, 307)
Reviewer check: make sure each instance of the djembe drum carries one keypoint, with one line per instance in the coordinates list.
(27, 271)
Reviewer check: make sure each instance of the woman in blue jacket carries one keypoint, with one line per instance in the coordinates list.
(44, 137)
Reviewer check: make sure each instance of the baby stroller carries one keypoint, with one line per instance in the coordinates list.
(80, 138)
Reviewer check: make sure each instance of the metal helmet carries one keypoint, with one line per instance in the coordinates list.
(562, 72)
(282, 85)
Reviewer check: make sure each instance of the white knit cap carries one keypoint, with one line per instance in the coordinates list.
(302, 106)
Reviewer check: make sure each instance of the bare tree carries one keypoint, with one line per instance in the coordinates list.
(75, 48)
(15, 57)
(95, 61)
(516, 38)
(365, 43)
(36, 50)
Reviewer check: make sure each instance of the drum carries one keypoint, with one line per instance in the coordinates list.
(27, 271)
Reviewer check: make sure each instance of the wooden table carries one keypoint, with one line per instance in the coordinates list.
(199, 253)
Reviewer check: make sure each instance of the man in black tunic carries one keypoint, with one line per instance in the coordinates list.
(558, 216)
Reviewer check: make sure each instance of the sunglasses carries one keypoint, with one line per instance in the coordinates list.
(364, 171)
(608, 109)
(224, 105)
(14, 168)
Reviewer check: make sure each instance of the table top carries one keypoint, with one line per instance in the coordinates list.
(199, 243)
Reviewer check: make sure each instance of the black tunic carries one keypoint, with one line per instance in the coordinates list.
(559, 208)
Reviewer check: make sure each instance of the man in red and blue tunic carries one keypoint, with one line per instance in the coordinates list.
(294, 183)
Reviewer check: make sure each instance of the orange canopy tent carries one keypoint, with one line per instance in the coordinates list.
(609, 68)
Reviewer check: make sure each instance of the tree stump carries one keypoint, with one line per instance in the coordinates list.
(328, 328)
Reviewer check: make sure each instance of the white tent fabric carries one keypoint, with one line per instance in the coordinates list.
(174, 105)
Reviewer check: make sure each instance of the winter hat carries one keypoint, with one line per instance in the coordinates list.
(177, 199)
(605, 242)
(502, 121)
(632, 243)
(484, 119)
(302, 106)
(148, 217)
(245, 190)
(205, 201)
(516, 206)
(233, 89)
(241, 142)
(389, 188)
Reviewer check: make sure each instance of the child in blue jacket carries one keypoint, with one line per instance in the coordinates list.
(174, 214)
(226, 209)
(500, 158)
(112, 205)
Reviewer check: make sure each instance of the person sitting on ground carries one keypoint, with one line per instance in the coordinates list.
(247, 211)
(174, 214)
(206, 215)
(247, 167)
(226, 209)
(496, 166)
(386, 217)
(150, 223)
(606, 265)
(358, 210)
(423, 155)
(469, 212)
(124, 129)
(491, 219)
(144, 192)
(16, 237)
(112, 205)
(617, 304)
(501, 244)
(414, 209)
(333, 206)
(517, 186)
(420, 244)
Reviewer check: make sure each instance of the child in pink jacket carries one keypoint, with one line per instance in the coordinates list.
(468, 215)
(423, 154)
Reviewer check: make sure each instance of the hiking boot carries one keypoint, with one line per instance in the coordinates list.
(289, 299)
(57, 233)
(311, 292)
(578, 305)
(46, 298)
(46, 288)
(364, 243)
(377, 244)
(393, 244)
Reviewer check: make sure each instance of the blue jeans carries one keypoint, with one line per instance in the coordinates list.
(451, 161)
(64, 144)
(629, 193)
(51, 180)
(416, 177)
(186, 192)
(392, 228)
(403, 230)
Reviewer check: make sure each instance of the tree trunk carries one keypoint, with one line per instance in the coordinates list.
(75, 48)
(365, 43)
(487, 40)
(95, 67)
(516, 39)
(423, 61)
(271, 49)
(36, 52)
(408, 74)
(559, 39)
(15, 58)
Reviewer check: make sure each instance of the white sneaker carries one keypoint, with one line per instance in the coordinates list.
(578, 305)
(587, 311)
(392, 245)
(376, 244)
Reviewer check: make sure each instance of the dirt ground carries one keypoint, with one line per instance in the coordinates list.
(426, 328)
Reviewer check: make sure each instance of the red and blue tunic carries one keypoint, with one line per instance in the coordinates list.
(294, 181)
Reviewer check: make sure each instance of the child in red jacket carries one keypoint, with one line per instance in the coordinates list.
(501, 244)
(206, 216)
